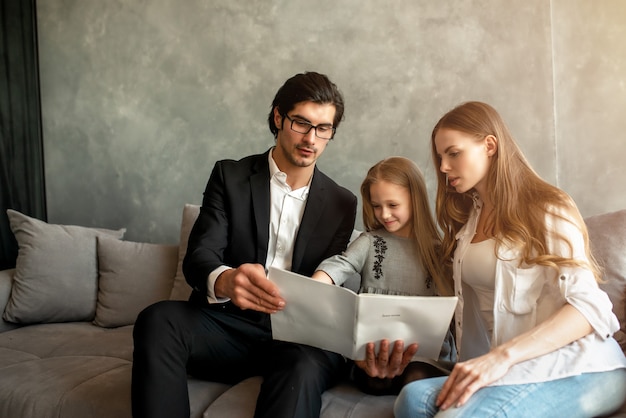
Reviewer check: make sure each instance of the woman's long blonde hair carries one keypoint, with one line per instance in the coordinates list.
(425, 236)
(522, 199)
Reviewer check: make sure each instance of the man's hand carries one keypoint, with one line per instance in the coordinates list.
(386, 365)
(248, 287)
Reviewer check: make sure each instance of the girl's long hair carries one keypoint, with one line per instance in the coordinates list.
(521, 198)
(425, 236)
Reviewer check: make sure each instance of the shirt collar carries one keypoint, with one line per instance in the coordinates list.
(273, 167)
(281, 177)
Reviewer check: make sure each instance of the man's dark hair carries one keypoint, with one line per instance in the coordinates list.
(306, 87)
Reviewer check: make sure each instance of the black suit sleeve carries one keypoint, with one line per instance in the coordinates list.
(209, 235)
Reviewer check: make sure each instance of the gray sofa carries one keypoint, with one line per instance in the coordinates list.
(69, 306)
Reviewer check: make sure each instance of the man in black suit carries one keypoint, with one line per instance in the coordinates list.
(273, 209)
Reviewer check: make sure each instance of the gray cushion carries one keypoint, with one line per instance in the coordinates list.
(607, 233)
(131, 276)
(181, 289)
(56, 271)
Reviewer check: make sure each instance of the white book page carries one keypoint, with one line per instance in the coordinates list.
(317, 314)
(421, 319)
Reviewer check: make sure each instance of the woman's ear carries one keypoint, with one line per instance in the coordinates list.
(491, 143)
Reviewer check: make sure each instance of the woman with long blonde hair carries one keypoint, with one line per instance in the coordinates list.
(533, 328)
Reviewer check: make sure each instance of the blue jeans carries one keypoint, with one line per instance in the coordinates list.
(586, 395)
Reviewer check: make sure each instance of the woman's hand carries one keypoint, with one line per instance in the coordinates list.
(385, 364)
(469, 376)
(566, 325)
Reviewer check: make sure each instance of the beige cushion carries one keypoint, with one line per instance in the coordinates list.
(56, 271)
(607, 233)
(131, 276)
(181, 289)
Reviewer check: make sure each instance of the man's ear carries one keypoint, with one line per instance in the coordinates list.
(491, 144)
(278, 118)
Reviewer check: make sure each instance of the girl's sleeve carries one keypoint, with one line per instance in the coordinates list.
(342, 266)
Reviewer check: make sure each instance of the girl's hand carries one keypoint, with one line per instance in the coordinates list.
(386, 365)
(469, 376)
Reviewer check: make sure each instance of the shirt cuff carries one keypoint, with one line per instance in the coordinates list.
(211, 298)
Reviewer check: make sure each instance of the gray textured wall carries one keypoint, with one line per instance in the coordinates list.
(140, 98)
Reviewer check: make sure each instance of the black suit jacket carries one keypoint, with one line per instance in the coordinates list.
(233, 225)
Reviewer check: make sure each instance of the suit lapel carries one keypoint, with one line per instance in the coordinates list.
(312, 212)
(259, 189)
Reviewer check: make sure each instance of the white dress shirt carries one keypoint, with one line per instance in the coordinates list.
(286, 210)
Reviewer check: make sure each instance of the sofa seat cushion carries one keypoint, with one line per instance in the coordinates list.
(70, 370)
(341, 401)
(345, 400)
(70, 339)
(45, 387)
(9, 357)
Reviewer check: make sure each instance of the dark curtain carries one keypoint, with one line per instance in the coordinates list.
(21, 151)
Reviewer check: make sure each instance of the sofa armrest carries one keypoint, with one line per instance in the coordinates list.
(6, 280)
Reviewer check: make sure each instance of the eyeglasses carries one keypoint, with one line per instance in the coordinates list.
(303, 127)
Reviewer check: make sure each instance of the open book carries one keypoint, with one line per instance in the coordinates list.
(337, 319)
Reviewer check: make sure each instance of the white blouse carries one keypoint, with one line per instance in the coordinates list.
(525, 296)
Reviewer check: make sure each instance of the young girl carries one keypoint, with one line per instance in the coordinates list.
(533, 327)
(398, 255)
